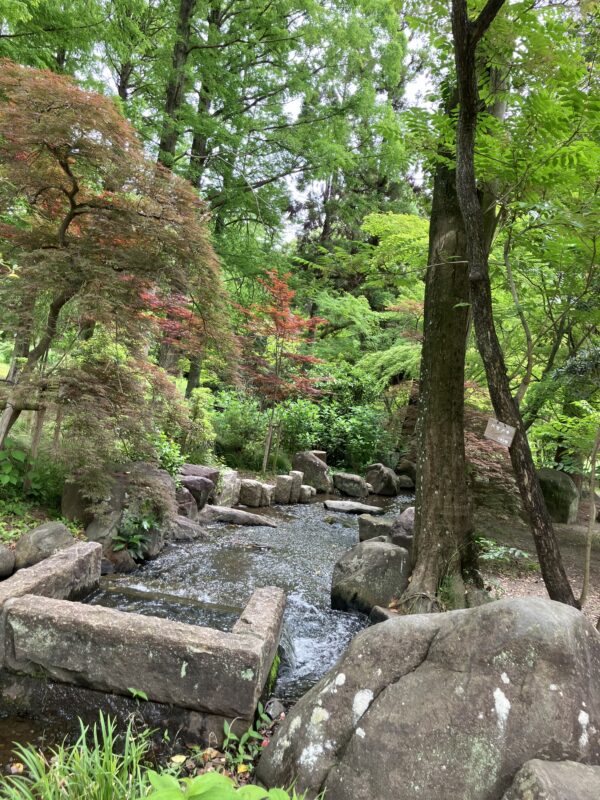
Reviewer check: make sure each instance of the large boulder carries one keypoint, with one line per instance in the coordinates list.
(137, 490)
(297, 477)
(405, 522)
(283, 489)
(450, 705)
(7, 561)
(560, 494)
(41, 542)
(555, 780)
(370, 574)
(200, 487)
(350, 485)
(383, 480)
(184, 529)
(408, 469)
(199, 471)
(306, 493)
(370, 526)
(251, 493)
(186, 503)
(228, 491)
(315, 470)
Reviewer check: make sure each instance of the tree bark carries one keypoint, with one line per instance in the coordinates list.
(175, 91)
(591, 522)
(466, 35)
(442, 508)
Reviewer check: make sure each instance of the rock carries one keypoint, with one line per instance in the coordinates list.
(352, 507)
(266, 494)
(7, 561)
(228, 488)
(43, 541)
(315, 471)
(297, 477)
(184, 529)
(251, 493)
(560, 494)
(200, 487)
(350, 485)
(274, 708)
(71, 573)
(405, 522)
(405, 482)
(383, 480)
(408, 468)
(233, 516)
(370, 526)
(380, 614)
(555, 780)
(322, 454)
(450, 705)
(369, 574)
(306, 493)
(283, 489)
(402, 539)
(186, 503)
(74, 506)
(196, 470)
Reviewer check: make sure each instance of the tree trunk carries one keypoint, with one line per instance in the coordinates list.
(466, 35)
(591, 522)
(193, 380)
(442, 509)
(175, 91)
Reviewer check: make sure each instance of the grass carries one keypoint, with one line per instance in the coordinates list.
(101, 765)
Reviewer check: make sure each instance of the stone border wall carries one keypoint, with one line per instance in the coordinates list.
(205, 674)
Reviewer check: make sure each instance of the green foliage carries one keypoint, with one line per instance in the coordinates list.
(300, 424)
(243, 749)
(13, 464)
(101, 765)
(490, 550)
(354, 437)
(134, 529)
(169, 454)
(200, 438)
(240, 427)
(211, 786)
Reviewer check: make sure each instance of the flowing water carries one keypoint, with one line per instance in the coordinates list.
(209, 582)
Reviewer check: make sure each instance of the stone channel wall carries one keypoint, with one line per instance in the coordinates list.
(193, 677)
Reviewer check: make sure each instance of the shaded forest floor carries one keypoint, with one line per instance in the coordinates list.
(521, 577)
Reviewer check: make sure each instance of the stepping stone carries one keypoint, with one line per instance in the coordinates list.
(351, 507)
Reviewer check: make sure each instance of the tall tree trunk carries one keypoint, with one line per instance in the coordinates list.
(175, 91)
(193, 380)
(443, 516)
(591, 522)
(466, 35)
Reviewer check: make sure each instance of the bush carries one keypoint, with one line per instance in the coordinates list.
(240, 427)
(300, 424)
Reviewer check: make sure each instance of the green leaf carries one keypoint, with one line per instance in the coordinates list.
(163, 781)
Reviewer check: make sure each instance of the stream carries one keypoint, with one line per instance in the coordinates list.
(209, 582)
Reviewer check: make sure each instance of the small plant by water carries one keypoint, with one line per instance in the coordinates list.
(212, 786)
(101, 765)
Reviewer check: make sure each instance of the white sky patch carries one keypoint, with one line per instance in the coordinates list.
(502, 707)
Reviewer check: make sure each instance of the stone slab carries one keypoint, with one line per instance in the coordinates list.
(70, 573)
(352, 507)
(197, 668)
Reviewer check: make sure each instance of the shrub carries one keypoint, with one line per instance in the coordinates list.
(240, 427)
